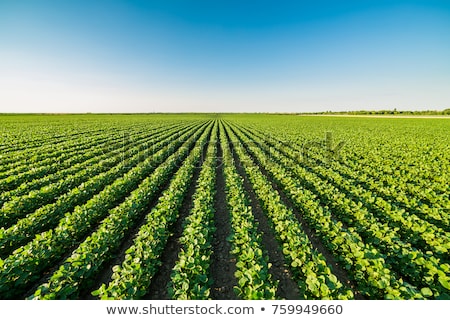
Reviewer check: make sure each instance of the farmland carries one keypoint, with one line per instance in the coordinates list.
(222, 206)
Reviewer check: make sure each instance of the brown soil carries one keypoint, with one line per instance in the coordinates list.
(223, 264)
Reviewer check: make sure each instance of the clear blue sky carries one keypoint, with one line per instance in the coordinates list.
(219, 56)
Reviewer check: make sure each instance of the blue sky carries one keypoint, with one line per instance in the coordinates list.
(223, 56)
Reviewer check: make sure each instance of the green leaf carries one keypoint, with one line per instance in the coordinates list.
(444, 282)
(426, 292)
(242, 281)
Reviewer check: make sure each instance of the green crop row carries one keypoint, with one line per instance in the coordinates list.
(90, 255)
(20, 206)
(366, 264)
(87, 158)
(25, 264)
(424, 271)
(190, 276)
(41, 137)
(388, 154)
(47, 217)
(358, 208)
(252, 266)
(52, 147)
(313, 275)
(131, 279)
(40, 165)
(373, 192)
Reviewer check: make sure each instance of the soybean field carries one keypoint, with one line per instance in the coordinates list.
(224, 206)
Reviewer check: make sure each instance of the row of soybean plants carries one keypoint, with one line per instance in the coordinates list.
(422, 225)
(421, 269)
(11, 178)
(15, 163)
(309, 268)
(392, 159)
(20, 136)
(106, 172)
(65, 156)
(133, 277)
(407, 176)
(412, 202)
(365, 264)
(44, 136)
(39, 164)
(420, 233)
(92, 254)
(18, 162)
(420, 159)
(416, 196)
(413, 229)
(25, 265)
(33, 194)
(254, 280)
(189, 279)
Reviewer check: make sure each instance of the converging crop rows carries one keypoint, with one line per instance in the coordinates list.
(224, 207)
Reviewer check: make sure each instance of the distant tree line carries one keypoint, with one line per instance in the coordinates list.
(386, 112)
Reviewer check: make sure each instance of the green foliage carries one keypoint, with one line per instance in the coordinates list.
(190, 276)
(73, 187)
(309, 267)
(253, 276)
(131, 279)
(25, 264)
